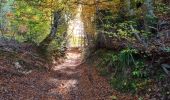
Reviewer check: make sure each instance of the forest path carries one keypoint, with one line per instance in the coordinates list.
(76, 83)
(66, 81)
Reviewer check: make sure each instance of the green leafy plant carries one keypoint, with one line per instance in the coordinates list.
(126, 57)
(123, 58)
(128, 71)
(139, 70)
(123, 29)
(162, 8)
(123, 84)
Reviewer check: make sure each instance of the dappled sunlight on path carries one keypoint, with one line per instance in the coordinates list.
(73, 81)
(67, 81)
(67, 76)
(72, 60)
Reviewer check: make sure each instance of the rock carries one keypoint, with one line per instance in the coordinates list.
(17, 65)
(149, 90)
(25, 72)
(147, 95)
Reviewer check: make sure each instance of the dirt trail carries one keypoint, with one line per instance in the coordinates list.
(67, 81)
(75, 81)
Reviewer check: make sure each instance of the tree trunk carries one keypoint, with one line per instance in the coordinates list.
(149, 7)
(45, 43)
(125, 8)
(149, 14)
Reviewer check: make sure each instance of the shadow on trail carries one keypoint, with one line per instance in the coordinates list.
(66, 81)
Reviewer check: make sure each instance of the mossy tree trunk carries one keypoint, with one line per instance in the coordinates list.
(45, 43)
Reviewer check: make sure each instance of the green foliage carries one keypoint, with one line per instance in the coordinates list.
(104, 71)
(109, 58)
(118, 83)
(146, 34)
(119, 60)
(126, 57)
(124, 85)
(139, 70)
(151, 22)
(104, 20)
(129, 71)
(162, 8)
(30, 23)
(26, 22)
(129, 84)
(57, 47)
(123, 29)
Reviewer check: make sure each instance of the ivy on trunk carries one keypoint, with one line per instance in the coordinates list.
(45, 43)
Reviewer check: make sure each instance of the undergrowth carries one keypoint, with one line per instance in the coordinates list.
(127, 71)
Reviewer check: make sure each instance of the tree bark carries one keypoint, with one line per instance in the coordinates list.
(149, 7)
(149, 14)
(125, 8)
(45, 43)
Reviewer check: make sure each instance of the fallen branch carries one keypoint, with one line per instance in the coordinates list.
(138, 37)
(165, 68)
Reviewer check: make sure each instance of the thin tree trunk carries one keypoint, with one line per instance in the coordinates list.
(125, 8)
(149, 14)
(149, 6)
(45, 43)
